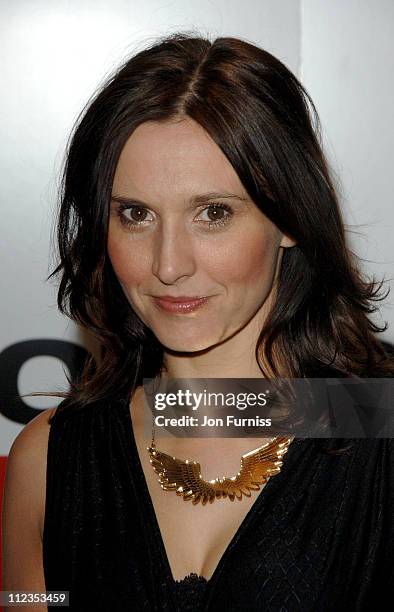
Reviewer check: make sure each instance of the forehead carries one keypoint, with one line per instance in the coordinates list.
(176, 159)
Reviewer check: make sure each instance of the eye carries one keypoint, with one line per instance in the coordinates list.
(218, 215)
(131, 214)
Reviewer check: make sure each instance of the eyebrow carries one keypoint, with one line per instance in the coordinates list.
(197, 199)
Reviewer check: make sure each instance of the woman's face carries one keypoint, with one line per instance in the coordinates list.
(182, 225)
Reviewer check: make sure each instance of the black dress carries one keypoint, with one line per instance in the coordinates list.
(320, 536)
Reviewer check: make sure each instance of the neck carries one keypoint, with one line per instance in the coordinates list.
(232, 358)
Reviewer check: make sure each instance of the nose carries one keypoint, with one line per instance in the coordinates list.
(173, 256)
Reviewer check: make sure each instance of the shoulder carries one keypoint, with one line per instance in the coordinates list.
(32, 439)
(26, 466)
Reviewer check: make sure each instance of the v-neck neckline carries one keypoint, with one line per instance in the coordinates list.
(262, 497)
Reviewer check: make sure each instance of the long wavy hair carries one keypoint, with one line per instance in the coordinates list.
(266, 124)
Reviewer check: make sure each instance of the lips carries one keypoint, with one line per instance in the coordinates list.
(181, 304)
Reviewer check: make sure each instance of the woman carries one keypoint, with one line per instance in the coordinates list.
(200, 237)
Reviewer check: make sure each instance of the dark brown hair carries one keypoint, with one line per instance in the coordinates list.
(264, 121)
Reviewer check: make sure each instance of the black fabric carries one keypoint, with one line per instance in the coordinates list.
(320, 536)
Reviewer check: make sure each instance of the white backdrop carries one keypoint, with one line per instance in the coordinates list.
(54, 54)
(347, 51)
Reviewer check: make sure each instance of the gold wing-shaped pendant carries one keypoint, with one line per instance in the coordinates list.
(184, 476)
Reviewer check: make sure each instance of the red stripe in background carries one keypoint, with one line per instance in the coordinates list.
(3, 463)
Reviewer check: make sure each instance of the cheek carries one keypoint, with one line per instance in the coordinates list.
(248, 262)
(129, 266)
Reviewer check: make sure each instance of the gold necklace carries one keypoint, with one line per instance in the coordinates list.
(184, 476)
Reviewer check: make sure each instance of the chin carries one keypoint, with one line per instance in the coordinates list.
(186, 345)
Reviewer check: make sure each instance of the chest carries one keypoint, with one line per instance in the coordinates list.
(194, 537)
